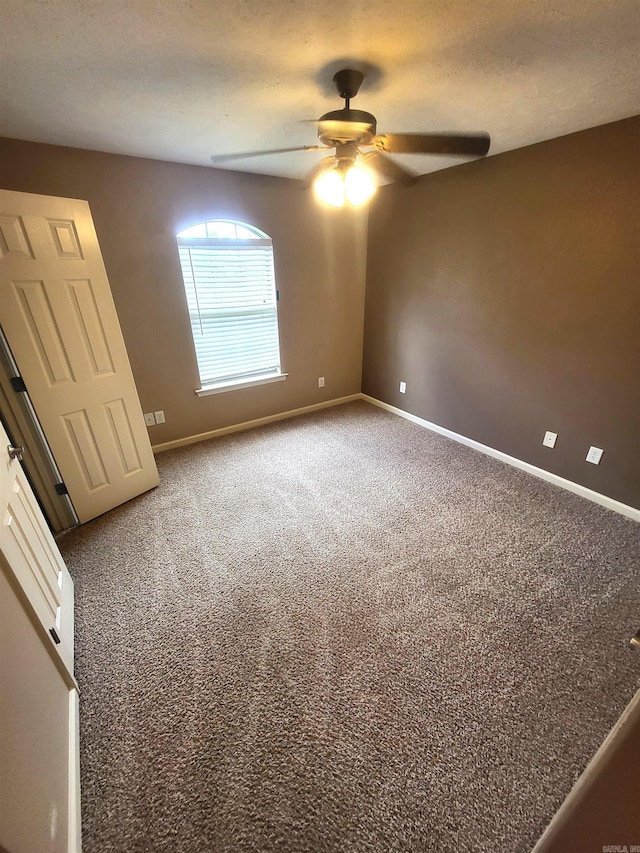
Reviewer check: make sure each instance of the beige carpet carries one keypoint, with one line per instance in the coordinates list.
(345, 633)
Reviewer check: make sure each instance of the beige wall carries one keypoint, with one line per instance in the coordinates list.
(506, 294)
(139, 205)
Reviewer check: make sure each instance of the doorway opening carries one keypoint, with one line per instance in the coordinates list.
(24, 430)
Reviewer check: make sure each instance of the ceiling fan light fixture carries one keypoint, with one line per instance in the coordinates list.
(338, 185)
(329, 187)
(358, 185)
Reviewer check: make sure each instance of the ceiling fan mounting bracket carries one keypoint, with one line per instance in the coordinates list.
(347, 82)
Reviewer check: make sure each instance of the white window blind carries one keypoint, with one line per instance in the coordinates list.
(231, 295)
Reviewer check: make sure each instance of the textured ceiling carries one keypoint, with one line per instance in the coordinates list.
(184, 79)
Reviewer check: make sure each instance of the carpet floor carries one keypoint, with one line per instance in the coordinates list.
(345, 633)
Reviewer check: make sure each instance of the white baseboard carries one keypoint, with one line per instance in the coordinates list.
(569, 485)
(269, 419)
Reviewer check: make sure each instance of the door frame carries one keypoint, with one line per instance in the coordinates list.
(74, 813)
(24, 429)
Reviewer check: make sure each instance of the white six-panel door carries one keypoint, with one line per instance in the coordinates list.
(59, 318)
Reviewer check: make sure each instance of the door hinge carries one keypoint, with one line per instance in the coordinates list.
(277, 298)
(61, 489)
(17, 383)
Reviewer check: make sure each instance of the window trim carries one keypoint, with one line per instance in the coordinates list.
(237, 384)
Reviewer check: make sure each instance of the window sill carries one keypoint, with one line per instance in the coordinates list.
(221, 387)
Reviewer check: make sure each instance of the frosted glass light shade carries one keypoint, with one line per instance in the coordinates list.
(358, 186)
(329, 187)
(336, 186)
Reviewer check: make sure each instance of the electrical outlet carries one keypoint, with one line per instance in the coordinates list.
(321, 382)
(595, 455)
(159, 417)
(550, 439)
(149, 419)
(403, 387)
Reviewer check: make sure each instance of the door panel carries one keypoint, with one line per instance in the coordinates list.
(59, 318)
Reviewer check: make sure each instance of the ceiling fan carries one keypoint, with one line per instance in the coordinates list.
(345, 175)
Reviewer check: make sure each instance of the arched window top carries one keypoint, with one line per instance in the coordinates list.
(224, 229)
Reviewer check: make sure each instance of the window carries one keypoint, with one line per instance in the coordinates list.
(229, 281)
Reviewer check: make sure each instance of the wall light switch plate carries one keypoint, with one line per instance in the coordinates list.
(550, 439)
(159, 417)
(595, 455)
(403, 387)
(149, 419)
(320, 381)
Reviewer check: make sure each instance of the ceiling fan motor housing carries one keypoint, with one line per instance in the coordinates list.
(341, 126)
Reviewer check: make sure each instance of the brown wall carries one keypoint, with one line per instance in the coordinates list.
(139, 205)
(506, 294)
